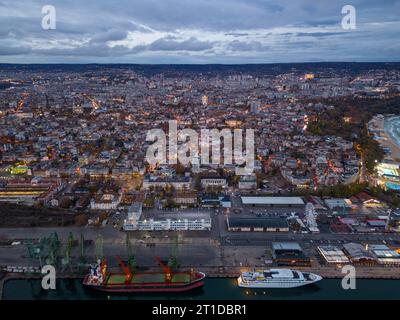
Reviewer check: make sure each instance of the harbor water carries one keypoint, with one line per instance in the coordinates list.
(214, 289)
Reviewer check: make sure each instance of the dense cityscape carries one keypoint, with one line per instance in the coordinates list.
(73, 163)
(200, 156)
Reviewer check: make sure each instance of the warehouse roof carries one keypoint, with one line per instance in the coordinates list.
(357, 252)
(291, 246)
(272, 200)
(333, 254)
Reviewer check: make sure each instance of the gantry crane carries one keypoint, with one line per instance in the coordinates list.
(82, 258)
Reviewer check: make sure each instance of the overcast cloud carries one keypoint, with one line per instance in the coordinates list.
(198, 31)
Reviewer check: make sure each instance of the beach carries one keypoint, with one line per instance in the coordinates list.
(386, 132)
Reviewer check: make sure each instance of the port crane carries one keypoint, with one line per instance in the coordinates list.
(82, 258)
(173, 261)
(99, 247)
(66, 260)
(46, 250)
(131, 256)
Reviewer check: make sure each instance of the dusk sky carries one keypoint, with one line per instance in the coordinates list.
(198, 31)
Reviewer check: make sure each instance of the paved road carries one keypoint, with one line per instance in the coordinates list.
(252, 238)
(235, 248)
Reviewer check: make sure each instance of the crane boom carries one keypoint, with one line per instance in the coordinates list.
(167, 270)
(128, 273)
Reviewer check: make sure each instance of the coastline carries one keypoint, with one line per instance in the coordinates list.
(383, 134)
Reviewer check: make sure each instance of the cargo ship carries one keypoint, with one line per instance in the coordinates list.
(99, 278)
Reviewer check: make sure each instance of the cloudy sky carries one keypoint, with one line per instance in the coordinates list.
(198, 31)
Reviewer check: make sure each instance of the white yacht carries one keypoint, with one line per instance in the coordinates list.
(276, 278)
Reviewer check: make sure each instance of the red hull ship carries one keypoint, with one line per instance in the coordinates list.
(102, 280)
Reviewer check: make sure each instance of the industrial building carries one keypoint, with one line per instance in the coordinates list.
(358, 254)
(289, 254)
(338, 204)
(291, 202)
(214, 201)
(333, 254)
(29, 193)
(257, 224)
(248, 182)
(384, 254)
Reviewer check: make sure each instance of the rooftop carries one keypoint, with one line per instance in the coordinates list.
(273, 200)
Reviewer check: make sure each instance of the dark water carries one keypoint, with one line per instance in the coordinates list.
(224, 289)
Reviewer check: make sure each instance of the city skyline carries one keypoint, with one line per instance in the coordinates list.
(235, 32)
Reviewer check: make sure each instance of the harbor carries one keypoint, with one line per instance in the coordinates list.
(377, 259)
(214, 289)
(227, 276)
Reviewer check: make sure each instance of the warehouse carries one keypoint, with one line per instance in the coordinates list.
(275, 202)
(358, 254)
(333, 254)
(385, 255)
(338, 204)
(257, 224)
(289, 254)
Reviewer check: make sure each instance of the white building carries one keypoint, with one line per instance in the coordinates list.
(213, 182)
(177, 221)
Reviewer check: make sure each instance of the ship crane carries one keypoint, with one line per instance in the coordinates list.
(167, 270)
(127, 271)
